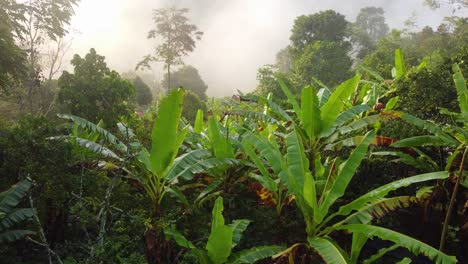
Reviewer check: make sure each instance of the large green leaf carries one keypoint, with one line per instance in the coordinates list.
(404, 261)
(125, 131)
(164, 135)
(266, 182)
(418, 162)
(266, 150)
(199, 123)
(291, 98)
(250, 151)
(10, 198)
(180, 239)
(238, 227)
(333, 107)
(399, 63)
(378, 209)
(309, 192)
(419, 141)
(373, 73)
(14, 217)
(357, 242)
(297, 162)
(413, 245)
(391, 104)
(349, 114)
(220, 144)
(328, 250)
(310, 117)
(254, 116)
(347, 142)
(360, 123)
(323, 94)
(220, 240)
(376, 194)
(428, 126)
(379, 253)
(460, 85)
(176, 193)
(13, 235)
(344, 176)
(210, 188)
(188, 164)
(253, 255)
(85, 124)
(97, 148)
(276, 109)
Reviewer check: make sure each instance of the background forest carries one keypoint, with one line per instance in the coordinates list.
(352, 148)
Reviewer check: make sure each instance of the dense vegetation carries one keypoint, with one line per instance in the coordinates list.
(352, 149)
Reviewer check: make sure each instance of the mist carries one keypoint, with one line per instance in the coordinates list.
(239, 35)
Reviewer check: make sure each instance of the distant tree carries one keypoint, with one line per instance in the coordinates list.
(382, 59)
(425, 91)
(284, 61)
(12, 62)
(327, 61)
(323, 26)
(460, 32)
(189, 78)
(369, 27)
(176, 37)
(144, 96)
(267, 78)
(95, 92)
(320, 48)
(148, 78)
(457, 4)
(191, 105)
(31, 23)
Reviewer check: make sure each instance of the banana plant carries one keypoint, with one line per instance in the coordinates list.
(373, 91)
(316, 204)
(222, 240)
(218, 143)
(159, 169)
(325, 121)
(450, 137)
(10, 215)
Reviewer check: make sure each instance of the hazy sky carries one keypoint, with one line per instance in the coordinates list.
(239, 35)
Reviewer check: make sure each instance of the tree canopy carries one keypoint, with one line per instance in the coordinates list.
(144, 96)
(369, 27)
(189, 78)
(323, 26)
(17, 21)
(326, 61)
(95, 92)
(176, 37)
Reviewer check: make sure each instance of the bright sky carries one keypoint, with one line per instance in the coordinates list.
(239, 35)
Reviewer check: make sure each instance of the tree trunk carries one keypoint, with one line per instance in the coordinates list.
(157, 248)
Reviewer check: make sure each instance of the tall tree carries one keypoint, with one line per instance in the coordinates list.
(320, 48)
(267, 79)
(284, 61)
(189, 78)
(32, 23)
(144, 96)
(95, 92)
(324, 60)
(457, 4)
(369, 27)
(323, 26)
(12, 62)
(176, 35)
